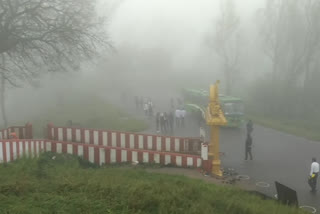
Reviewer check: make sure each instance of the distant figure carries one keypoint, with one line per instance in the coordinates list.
(171, 122)
(162, 123)
(150, 108)
(166, 121)
(158, 122)
(249, 127)
(182, 116)
(248, 146)
(314, 175)
(146, 108)
(177, 114)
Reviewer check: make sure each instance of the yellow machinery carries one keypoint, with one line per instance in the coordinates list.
(215, 118)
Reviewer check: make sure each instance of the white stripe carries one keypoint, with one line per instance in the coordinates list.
(179, 160)
(96, 138)
(42, 146)
(70, 149)
(168, 140)
(199, 162)
(32, 149)
(112, 155)
(158, 143)
(1, 153)
(91, 154)
(78, 135)
(105, 138)
(157, 158)
(14, 148)
(80, 151)
(8, 151)
(59, 148)
(177, 145)
(189, 161)
(149, 142)
(69, 134)
(123, 140)
(37, 148)
(131, 141)
(113, 139)
(134, 156)
(27, 148)
(52, 133)
(167, 159)
(102, 156)
(124, 155)
(20, 149)
(140, 142)
(86, 136)
(145, 156)
(60, 134)
(48, 147)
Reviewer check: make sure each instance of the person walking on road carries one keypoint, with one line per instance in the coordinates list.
(162, 123)
(249, 127)
(248, 147)
(314, 175)
(171, 121)
(177, 114)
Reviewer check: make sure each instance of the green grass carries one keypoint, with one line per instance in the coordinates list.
(68, 185)
(306, 129)
(89, 112)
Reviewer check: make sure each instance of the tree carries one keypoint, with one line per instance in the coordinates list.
(226, 41)
(46, 35)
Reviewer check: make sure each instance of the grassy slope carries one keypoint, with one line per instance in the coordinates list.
(89, 112)
(66, 185)
(299, 128)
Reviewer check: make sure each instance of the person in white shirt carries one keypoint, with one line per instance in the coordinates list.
(314, 175)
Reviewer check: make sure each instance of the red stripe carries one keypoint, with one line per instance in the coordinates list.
(154, 143)
(107, 155)
(96, 155)
(136, 141)
(18, 149)
(184, 161)
(55, 133)
(85, 152)
(127, 139)
(4, 152)
(140, 156)
(64, 134)
(91, 137)
(151, 157)
(118, 139)
(82, 139)
(11, 150)
(74, 149)
(129, 156)
(172, 143)
(162, 159)
(194, 159)
(53, 147)
(73, 133)
(163, 144)
(29, 148)
(145, 143)
(173, 160)
(100, 140)
(64, 148)
(109, 137)
(118, 156)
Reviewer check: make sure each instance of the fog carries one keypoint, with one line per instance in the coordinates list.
(159, 46)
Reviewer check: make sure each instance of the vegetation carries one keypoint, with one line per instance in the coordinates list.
(88, 112)
(67, 185)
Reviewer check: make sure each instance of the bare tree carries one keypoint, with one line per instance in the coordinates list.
(226, 41)
(46, 35)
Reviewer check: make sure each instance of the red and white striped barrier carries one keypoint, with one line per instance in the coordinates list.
(125, 140)
(12, 149)
(22, 132)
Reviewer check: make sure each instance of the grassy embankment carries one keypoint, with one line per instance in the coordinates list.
(307, 129)
(69, 185)
(88, 112)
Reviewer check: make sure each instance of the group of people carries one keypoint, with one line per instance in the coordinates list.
(164, 122)
(146, 104)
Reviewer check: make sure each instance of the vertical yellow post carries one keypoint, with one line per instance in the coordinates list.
(215, 118)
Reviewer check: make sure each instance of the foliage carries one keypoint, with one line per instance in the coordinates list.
(70, 188)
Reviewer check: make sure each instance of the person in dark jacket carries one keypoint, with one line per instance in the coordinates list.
(158, 121)
(248, 147)
(171, 122)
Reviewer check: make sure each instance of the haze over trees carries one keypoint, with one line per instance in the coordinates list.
(38, 36)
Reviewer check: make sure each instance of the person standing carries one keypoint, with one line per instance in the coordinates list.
(158, 121)
(171, 121)
(314, 175)
(177, 114)
(249, 127)
(162, 123)
(248, 147)
(146, 108)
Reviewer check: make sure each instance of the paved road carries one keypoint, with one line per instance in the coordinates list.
(277, 156)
